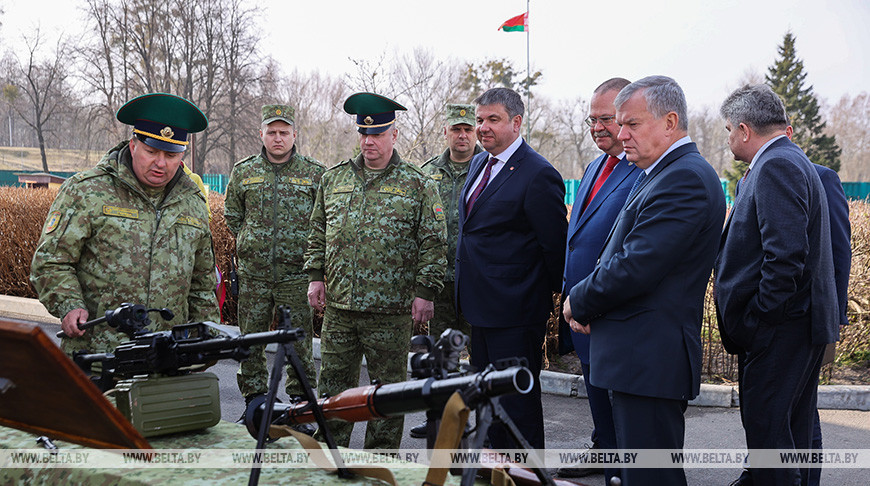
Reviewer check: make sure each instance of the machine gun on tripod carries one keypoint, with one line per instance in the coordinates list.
(173, 352)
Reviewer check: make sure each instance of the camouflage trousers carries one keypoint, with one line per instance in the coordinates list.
(384, 339)
(258, 301)
(445, 314)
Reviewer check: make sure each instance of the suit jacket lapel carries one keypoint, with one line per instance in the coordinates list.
(586, 184)
(618, 175)
(477, 163)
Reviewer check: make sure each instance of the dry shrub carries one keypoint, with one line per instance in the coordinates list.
(224, 247)
(22, 214)
(855, 338)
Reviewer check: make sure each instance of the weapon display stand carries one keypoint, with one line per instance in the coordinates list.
(287, 351)
(42, 391)
(488, 410)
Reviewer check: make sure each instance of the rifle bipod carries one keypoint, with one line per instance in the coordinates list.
(287, 351)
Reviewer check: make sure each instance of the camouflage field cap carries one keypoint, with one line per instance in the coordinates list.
(162, 120)
(374, 113)
(457, 114)
(278, 112)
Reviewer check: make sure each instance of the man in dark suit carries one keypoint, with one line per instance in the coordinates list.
(510, 253)
(775, 294)
(642, 304)
(600, 197)
(841, 247)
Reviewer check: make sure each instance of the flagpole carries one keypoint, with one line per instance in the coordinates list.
(528, 79)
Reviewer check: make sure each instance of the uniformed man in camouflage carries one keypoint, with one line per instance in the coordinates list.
(268, 204)
(132, 229)
(449, 171)
(375, 254)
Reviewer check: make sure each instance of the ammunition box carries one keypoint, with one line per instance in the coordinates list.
(168, 404)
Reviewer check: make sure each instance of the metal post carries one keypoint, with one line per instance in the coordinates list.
(528, 81)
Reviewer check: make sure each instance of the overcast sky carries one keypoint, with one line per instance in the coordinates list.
(708, 47)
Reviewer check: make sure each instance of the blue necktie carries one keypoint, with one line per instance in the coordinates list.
(636, 186)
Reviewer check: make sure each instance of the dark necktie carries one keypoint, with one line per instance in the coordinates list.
(480, 187)
(608, 168)
(636, 185)
(740, 182)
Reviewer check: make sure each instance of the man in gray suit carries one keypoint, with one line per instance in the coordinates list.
(775, 295)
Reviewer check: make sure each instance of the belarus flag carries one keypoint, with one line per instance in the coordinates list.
(520, 23)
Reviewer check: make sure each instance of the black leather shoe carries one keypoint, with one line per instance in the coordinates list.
(577, 472)
(419, 432)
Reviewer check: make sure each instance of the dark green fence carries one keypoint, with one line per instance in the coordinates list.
(216, 182)
(857, 190)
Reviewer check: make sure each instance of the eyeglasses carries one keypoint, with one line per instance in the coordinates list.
(605, 120)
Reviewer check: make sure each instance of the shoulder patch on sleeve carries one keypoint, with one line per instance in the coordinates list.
(53, 220)
(439, 212)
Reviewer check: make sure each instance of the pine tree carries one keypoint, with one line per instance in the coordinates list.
(786, 77)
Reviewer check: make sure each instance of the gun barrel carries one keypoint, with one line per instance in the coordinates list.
(245, 340)
(380, 401)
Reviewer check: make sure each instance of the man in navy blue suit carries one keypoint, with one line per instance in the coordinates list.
(642, 304)
(599, 199)
(775, 295)
(510, 253)
(841, 247)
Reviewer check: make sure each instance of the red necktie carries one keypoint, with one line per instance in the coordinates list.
(480, 187)
(608, 168)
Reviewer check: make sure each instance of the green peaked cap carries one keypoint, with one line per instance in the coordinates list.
(374, 113)
(163, 108)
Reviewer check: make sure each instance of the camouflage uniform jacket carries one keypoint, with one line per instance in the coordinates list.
(267, 208)
(105, 242)
(380, 244)
(449, 188)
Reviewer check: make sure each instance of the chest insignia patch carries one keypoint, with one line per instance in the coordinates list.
(121, 212)
(190, 221)
(393, 190)
(253, 180)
